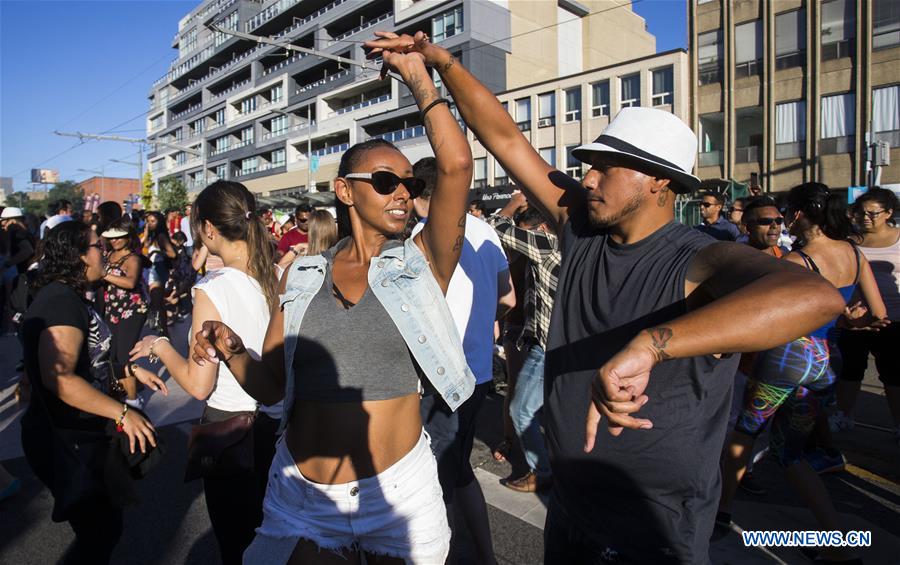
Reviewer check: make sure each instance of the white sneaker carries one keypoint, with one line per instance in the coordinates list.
(840, 422)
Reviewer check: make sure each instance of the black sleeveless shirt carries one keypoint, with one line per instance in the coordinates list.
(650, 494)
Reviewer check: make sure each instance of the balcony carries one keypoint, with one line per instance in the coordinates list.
(282, 64)
(709, 73)
(789, 60)
(230, 89)
(749, 154)
(363, 104)
(280, 7)
(186, 111)
(361, 27)
(340, 148)
(269, 166)
(321, 81)
(243, 143)
(401, 134)
(748, 69)
(711, 158)
(221, 150)
(789, 150)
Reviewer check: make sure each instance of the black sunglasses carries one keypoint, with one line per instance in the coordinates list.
(385, 182)
(768, 221)
(708, 204)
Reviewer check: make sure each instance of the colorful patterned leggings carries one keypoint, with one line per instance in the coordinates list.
(789, 382)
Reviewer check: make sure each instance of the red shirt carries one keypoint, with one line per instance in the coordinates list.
(292, 238)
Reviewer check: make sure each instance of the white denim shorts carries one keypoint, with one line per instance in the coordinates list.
(399, 512)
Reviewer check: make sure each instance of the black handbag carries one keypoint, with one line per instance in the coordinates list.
(221, 449)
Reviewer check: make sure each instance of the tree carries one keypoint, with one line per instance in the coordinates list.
(147, 191)
(17, 199)
(67, 190)
(172, 194)
(28, 205)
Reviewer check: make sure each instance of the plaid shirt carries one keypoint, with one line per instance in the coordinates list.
(542, 252)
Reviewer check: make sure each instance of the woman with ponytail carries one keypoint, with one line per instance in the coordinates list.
(160, 252)
(789, 383)
(241, 295)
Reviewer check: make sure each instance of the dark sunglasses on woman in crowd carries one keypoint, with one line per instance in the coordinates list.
(386, 182)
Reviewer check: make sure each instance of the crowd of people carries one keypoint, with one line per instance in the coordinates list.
(343, 359)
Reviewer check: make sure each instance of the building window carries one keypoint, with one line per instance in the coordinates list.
(748, 135)
(546, 109)
(573, 165)
(278, 125)
(663, 86)
(156, 122)
(248, 105)
(277, 159)
(221, 144)
(447, 24)
(277, 93)
(180, 158)
(198, 126)
(790, 129)
(480, 176)
(523, 113)
(246, 136)
(709, 57)
(790, 39)
(748, 49)
(188, 42)
(838, 124)
(219, 117)
(630, 91)
(249, 165)
(712, 139)
(886, 114)
(838, 28)
(885, 23)
(573, 104)
(500, 177)
(548, 154)
(221, 171)
(600, 99)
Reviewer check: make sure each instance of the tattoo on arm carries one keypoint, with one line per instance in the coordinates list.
(446, 66)
(461, 238)
(459, 243)
(660, 337)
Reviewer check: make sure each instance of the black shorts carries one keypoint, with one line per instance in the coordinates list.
(855, 347)
(452, 436)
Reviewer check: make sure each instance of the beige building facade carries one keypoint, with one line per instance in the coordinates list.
(794, 90)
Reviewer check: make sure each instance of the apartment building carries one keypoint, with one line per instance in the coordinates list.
(794, 89)
(278, 121)
(559, 115)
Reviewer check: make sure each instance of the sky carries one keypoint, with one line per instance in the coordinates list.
(87, 66)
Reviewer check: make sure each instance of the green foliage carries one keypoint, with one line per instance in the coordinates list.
(17, 199)
(67, 190)
(28, 205)
(147, 191)
(172, 194)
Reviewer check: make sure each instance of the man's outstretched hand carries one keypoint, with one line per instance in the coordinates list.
(216, 342)
(618, 391)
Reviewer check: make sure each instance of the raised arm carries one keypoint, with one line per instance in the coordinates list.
(442, 238)
(553, 191)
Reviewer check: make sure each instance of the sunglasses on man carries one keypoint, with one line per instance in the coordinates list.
(768, 221)
(386, 182)
(708, 204)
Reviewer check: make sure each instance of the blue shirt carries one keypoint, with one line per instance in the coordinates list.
(721, 229)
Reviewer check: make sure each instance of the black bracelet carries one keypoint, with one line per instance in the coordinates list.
(433, 104)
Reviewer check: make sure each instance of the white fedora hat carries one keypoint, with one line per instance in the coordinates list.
(11, 212)
(651, 141)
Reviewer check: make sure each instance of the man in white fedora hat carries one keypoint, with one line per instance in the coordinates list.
(648, 313)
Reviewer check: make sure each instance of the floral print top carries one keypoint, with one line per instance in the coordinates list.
(122, 303)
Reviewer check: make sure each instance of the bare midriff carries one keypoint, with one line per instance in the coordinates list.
(339, 442)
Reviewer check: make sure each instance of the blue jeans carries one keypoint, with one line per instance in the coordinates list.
(526, 403)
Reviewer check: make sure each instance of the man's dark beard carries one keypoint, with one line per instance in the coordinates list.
(631, 205)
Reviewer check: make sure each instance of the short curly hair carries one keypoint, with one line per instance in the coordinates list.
(60, 258)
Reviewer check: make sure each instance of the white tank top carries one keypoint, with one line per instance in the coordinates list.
(885, 263)
(242, 306)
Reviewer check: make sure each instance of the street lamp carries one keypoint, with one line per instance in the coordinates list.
(100, 172)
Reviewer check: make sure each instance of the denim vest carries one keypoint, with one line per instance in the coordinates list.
(402, 281)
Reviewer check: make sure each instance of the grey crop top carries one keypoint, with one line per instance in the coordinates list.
(351, 355)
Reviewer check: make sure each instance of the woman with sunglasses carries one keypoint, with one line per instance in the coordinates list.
(874, 211)
(124, 296)
(358, 326)
(789, 383)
